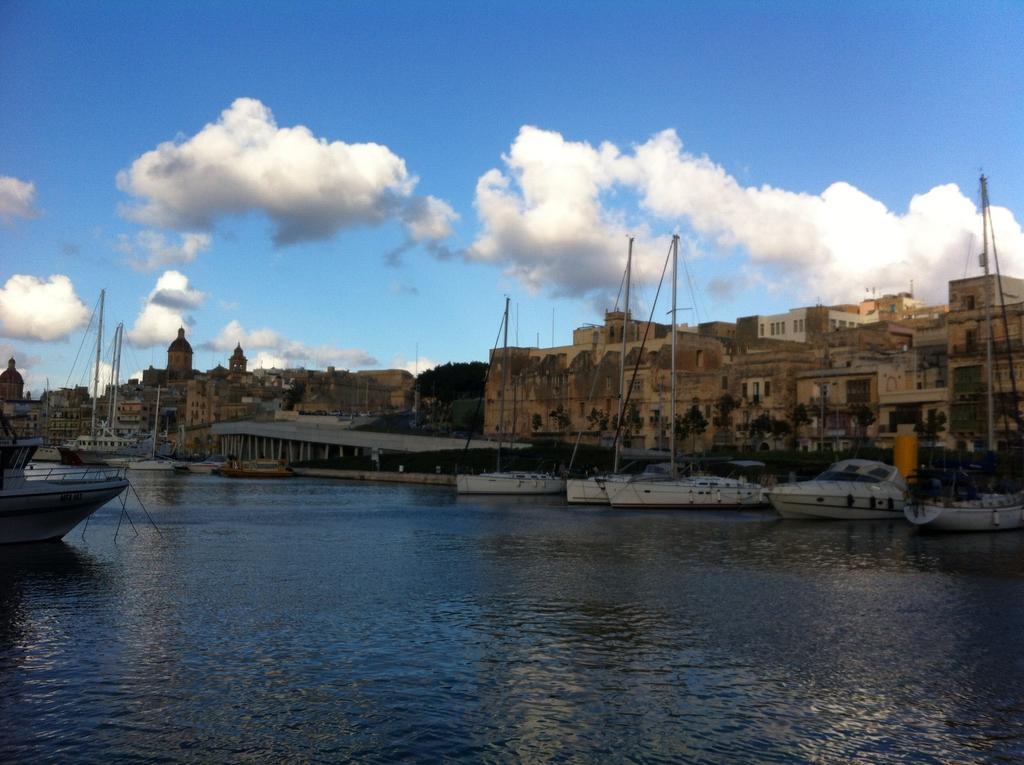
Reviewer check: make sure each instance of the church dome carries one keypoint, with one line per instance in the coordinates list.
(11, 376)
(180, 344)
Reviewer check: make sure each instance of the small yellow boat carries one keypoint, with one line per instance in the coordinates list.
(256, 469)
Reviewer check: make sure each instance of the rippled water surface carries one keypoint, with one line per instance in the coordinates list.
(307, 620)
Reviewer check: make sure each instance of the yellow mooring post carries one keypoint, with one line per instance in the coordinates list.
(904, 452)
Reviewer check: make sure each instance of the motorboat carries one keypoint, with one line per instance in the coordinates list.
(264, 468)
(44, 504)
(509, 482)
(850, 490)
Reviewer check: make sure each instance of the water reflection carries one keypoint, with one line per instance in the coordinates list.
(309, 620)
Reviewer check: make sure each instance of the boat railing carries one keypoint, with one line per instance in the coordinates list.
(65, 474)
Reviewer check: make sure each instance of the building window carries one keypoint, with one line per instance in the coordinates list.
(969, 302)
(700, 359)
(725, 382)
(767, 388)
(858, 391)
(743, 390)
(761, 332)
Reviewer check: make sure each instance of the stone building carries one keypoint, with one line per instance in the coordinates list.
(968, 334)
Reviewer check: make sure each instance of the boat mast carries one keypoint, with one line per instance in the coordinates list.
(156, 419)
(990, 414)
(96, 372)
(504, 384)
(622, 358)
(672, 386)
(116, 374)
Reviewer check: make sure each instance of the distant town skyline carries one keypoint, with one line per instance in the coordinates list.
(359, 185)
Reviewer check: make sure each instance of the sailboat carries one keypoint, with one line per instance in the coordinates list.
(500, 481)
(103, 444)
(153, 463)
(671, 490)
(959, 505)
(590, 490)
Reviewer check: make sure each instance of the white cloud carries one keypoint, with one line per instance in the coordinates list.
(415, 366)
(556, 215)
(271, 345)
(151, 250)
(164, 311)
(310, 188)
(33, 309)
(17, 199)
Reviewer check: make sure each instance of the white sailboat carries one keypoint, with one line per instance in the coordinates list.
(104, 444)
(960, 506)
(153, 462)
(503, 481)
(688, 492)
(591, 490)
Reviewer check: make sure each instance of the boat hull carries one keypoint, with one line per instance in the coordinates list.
(585, 491)
(508, 484)
(676, 496)
(988, 513)
(40, 514)
(829, 501)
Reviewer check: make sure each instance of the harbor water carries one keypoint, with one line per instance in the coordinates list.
(316, 621)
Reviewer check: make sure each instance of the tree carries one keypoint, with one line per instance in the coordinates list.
(761, 425)
(864, 416)
(598, 419)
(692, 424)
(933, 426)
(452, 381)
(294, 395)
(537, 422)
(561, 418)
(799, 417)
(724, 408)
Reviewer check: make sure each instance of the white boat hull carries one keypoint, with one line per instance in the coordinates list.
(669, 494)
(161, 465)
(826, 500)
(585, 491)
(511, 483)
(36, 513)
(990, 512)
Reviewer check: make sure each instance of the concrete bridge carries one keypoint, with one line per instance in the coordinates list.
(296, 441)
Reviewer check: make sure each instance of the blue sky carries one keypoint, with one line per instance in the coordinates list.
(350, 183)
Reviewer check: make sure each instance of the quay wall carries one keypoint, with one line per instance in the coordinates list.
(388, 476)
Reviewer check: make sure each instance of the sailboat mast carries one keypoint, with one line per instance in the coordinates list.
(96, 371)
(156, 419)
(990, 412)
(116, 377)
(622, 358)
(672, 386)
(504, 384)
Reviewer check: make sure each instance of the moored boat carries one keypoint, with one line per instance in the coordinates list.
(234, 468)
(509, 482)
(850, 490)
(45, 504)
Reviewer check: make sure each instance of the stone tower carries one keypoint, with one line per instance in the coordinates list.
(179, 358)
(12, 386)
(237, 362)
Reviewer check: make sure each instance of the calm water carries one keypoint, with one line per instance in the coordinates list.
(317, 621)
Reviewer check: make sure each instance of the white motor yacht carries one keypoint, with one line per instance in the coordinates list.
(44, 504)
(850, 490)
